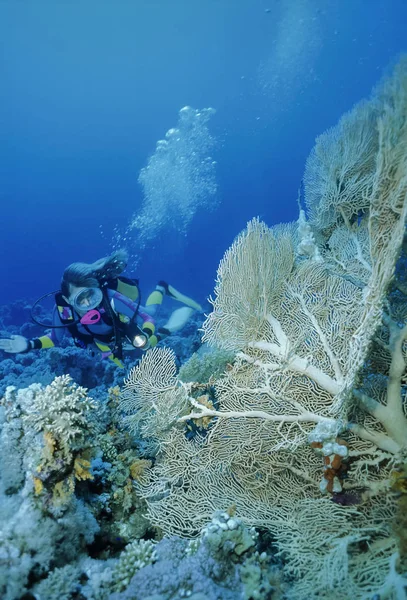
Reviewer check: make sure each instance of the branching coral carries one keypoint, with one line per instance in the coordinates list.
(137, 555)
(60, 411)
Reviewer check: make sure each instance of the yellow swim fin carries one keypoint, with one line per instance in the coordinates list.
(173, 293)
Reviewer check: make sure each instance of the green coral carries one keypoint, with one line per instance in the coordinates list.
(226, 533)
(227, 539)
(61, 584)
(205, 365)
(260, 579)
(137, 555)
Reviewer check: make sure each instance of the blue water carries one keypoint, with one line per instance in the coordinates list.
(88, 88)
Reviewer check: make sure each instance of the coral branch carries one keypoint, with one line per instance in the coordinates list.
(397, 368)
(334, 361)
(300, 365)
(204, 411)
(381, 440)
(391, 414)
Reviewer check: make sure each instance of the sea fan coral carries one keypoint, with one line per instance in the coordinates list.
(303, 329)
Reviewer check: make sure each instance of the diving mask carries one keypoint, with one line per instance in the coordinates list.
(86, 299)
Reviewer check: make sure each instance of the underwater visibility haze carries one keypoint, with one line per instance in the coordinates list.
(203, 310)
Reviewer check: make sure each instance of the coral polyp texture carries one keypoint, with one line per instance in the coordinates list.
(308, 423)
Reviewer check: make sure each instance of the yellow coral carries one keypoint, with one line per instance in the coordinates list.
(138, 467)
(204, 421)
(114, 394)
(63, 490)
(398, 480)
(50, 442)
(38, 486)
(82, 469)
(398, 485)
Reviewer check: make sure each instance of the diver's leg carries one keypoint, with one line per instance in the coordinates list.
(155, 300)
(177, 320)
(178, 317)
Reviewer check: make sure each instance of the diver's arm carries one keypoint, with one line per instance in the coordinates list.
(51, 339)
(15, 344)
(43, 342)
(18, 344)
(122, 304)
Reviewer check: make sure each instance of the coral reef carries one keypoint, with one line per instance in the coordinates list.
(60, 498)
(273, 463)
(221, 563)
(21, 370)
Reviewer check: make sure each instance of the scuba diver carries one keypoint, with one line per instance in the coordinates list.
(100, 308)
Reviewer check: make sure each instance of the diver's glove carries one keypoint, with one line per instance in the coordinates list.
(15, 344)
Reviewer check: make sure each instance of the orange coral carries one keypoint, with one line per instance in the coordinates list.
(398, 484)
(334, 467)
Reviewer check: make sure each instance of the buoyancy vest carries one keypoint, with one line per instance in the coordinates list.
(123, 285)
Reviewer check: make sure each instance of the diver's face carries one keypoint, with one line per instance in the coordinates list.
(84, 299)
